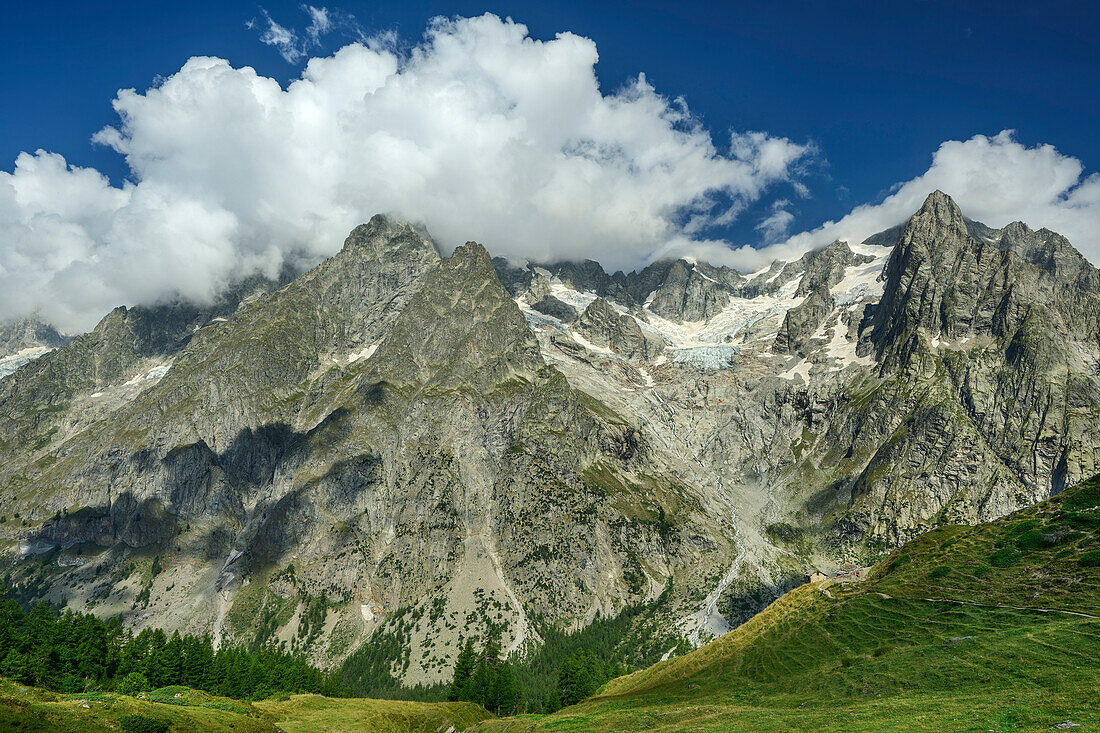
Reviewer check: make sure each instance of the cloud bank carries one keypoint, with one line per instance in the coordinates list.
(480, 132)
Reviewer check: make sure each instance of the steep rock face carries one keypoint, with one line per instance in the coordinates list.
(994, 401)
(382, 437)
(235, 388)
(687, 294)
(551, 306)
(23, 340)
(1050, 252)
(606, 327)
(128, 348)
(821, 270)
(27, 333)
(802, 321)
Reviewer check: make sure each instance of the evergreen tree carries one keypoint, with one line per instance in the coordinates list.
(505, 694)
(578, 677)
(464, 670)
(485, 678)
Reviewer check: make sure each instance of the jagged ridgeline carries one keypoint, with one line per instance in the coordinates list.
(396, 449)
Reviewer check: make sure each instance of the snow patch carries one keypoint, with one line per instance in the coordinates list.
(589, 345)
(704, 275)
(843, 350)
(364, 353)
(566, 294)
(862, 281)
(710, 358)
(739, 315)
(152, 375)
(538, 320)
(800, 369)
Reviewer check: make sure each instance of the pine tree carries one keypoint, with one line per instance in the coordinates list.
(576, 679)
(464, 670)
(504, 693)
(479, 684)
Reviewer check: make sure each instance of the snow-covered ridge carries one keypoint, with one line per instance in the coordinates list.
(746, 328)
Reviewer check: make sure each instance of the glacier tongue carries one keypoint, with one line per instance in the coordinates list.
(9, 364)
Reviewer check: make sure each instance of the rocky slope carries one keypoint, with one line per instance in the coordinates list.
(411, 446)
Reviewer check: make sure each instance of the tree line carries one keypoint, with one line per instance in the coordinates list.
(491, 681)
(76, 652)
(565, 668)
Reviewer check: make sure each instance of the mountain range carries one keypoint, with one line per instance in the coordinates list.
(398, 444)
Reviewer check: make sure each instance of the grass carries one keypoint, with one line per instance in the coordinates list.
(940, 637)
(32, 710)
(303, 713)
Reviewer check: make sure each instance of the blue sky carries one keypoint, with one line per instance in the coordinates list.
(877, 86)
(869, 91)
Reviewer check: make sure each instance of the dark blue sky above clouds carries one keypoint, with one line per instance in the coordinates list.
(870, 90)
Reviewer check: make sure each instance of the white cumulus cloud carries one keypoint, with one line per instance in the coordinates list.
(995, 180)
(480, 132)
(777, 224)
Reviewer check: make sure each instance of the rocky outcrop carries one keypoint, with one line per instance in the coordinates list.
(821, 270)
(687, 294)
(551, 306)
(606, 327)
(802, 321)
(1050, 252)
(987, 354)
(27, 333)
(826, 267)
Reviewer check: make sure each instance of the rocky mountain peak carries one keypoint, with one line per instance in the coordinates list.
(938, 217)
(386, 236)
(461, 328)
(26, 333)
(825, 267)
(687, 294)
(1050, 252)
(474, 255)
(605, 327)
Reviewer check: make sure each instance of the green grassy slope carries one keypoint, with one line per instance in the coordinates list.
(31, 710)
(966, 628)
(305, 713)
